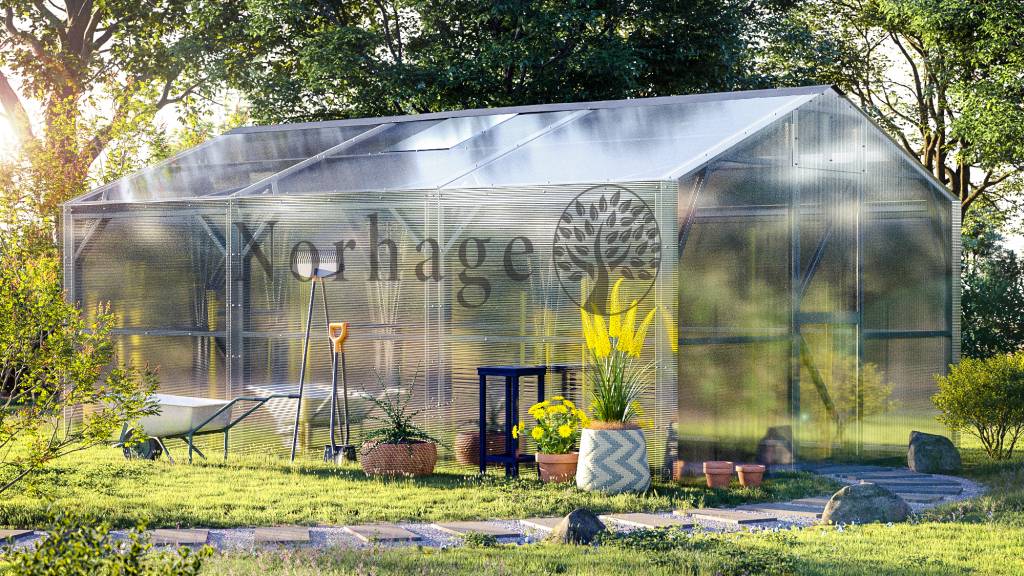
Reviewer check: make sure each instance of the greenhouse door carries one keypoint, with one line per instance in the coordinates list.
(828, 401)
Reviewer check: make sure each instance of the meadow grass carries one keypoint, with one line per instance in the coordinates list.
(252, 491)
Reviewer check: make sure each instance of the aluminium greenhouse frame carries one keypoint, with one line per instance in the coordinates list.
(780, 300)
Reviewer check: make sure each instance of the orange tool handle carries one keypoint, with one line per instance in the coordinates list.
(338, 333)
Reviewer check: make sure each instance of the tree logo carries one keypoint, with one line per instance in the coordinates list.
(606, 233)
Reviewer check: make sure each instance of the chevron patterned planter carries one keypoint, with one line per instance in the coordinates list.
(613, 461)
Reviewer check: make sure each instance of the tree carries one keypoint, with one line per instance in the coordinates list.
(99, 70)
(944, 77)
(985, 397)
(320, 60)
(61, 387)
(992, 297)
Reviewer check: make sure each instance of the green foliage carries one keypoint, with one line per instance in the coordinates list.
(559, 425)
(315, 60)
(992, 297)
(397, 422)
(85, 547)
(54, 363)
(478, 540)
(944, 77)
(985, 398)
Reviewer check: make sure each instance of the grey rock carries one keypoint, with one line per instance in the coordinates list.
(932, 454)
(863, 504)
(581, 526)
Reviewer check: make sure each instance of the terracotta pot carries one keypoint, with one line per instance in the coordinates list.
(718, 473)
(557, 467)
(467, 446)
(406, 459)
(750, 474)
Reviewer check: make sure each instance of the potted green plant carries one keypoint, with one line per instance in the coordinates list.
(558, 427)
(398, 447)
(613, 451)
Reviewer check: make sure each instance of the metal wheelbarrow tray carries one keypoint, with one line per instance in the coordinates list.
(185, 417)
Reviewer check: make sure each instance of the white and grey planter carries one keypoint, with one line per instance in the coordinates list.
(613, 461)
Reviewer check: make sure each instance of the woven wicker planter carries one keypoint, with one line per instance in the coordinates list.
(467, 447)
(613, 461)
(412, 459)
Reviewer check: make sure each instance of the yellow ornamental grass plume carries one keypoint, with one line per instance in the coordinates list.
(614, 320)
(641, 334)
(671, 328)
(625, 343)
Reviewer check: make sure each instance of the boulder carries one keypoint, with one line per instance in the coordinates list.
(581, 526)
(932, 454)
(864, 503)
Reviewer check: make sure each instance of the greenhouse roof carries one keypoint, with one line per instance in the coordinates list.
(587, 142)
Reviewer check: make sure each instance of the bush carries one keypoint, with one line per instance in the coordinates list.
(985, 398)
(83, 547)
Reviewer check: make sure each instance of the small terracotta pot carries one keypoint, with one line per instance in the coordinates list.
(718, 473)
(557, 467)
(750, 474)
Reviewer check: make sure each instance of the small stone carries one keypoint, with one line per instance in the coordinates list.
(581, 526)
(863, 504)
(932, 454)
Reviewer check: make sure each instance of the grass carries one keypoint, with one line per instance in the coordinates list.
(254, 491)
(981, 536)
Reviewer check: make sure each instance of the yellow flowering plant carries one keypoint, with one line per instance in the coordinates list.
(559, 423)
(617, 377)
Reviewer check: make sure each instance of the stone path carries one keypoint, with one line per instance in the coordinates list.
(921, 491)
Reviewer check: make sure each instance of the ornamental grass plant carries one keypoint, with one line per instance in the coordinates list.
(616, 375)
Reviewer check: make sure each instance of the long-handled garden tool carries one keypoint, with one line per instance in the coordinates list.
(338, 333)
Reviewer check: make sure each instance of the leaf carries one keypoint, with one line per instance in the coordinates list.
(579, 234)
(558, 251)
(576, 276)
(636, 263)
(610, 221)
(611, 252)
(649, 218)
(579, 207)
(624, 207)
(565, 233)
(638, 233)
(615, 197)
(638, 210)
(652, 233)
(564, 266)
(603, 203)
(582, 249)
(641, 249)
(626, 272)
(589, 228)
(644, 275)
(611, 237)
(593, 212)
(566, 217)
(626, 222)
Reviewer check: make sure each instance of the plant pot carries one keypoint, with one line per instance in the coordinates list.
(557, 467)
(678, 470)
(613, 461)
(718, 473)
(405, 459)
(750, 474)
(467, 446)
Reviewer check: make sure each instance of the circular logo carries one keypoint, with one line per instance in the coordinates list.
(606, 233)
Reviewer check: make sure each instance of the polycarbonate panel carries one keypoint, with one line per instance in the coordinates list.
(806, 249)
(623, 144)
(449, 133)
(225, 164)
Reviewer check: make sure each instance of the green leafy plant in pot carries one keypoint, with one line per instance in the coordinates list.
(613, 451)
(398, 447)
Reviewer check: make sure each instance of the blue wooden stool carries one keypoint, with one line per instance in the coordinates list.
(510, 458)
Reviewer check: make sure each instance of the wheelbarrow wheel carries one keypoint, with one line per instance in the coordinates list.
(148, 449)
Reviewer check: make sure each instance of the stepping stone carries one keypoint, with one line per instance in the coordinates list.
(486, 528)
(786, 509)
(382, 533)
(820, 502)
(641, 520)
(12, 535)
(889, 475)
(728, 515)
(178, 537)
(910, 489)
(545, 524)
(282, 535)
(920, 498)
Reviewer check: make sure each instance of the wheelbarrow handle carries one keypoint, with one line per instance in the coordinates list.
(338, 333)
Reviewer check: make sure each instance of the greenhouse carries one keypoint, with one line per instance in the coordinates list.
(803, 267)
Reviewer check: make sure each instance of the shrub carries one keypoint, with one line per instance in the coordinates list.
(54, 362)
(84, 547)
(985, 398)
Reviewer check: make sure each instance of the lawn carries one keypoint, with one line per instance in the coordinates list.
(270, 491)
(980, 536)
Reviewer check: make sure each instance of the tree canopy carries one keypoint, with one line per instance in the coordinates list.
(315, 60)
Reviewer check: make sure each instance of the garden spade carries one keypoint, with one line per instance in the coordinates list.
(338, 333)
